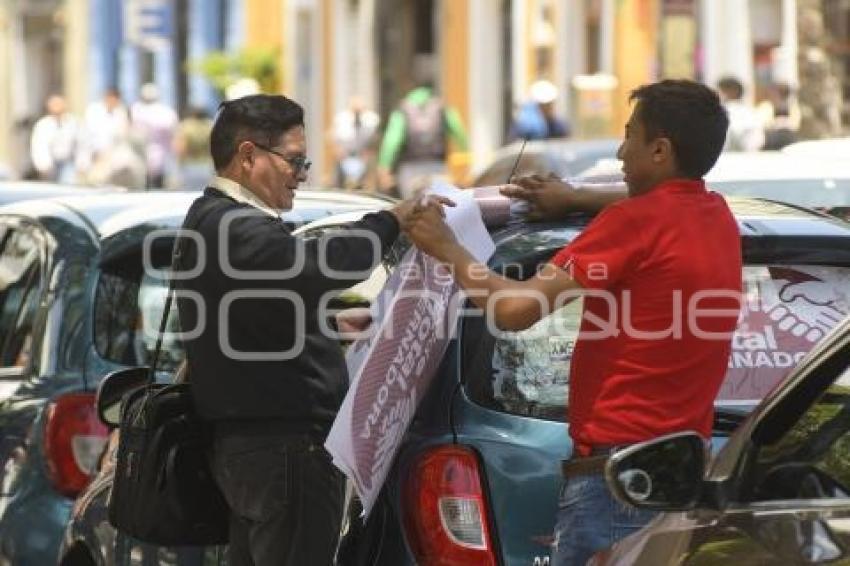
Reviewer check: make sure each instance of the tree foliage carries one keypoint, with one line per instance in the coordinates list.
(222, 68)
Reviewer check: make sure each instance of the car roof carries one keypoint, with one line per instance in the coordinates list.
(332, 221)
(16, 191)
(783, 229)
(111, 212)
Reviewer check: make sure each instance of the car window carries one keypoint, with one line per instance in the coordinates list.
(128, 312)
(20, 288)
(788, 309)
(531, 368)
(812, 459)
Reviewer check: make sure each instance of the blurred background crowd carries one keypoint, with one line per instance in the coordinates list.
(108, 92)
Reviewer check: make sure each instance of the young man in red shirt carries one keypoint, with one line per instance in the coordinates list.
(660, 271)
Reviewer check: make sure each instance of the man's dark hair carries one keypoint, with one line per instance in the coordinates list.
(260, 117)
(691, 116)
(731, 87)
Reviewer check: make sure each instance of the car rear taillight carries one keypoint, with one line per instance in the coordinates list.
(73, 441)
(445, 511)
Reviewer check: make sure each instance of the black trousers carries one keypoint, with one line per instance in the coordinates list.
(285, 496)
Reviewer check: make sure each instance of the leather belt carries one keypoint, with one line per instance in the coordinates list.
(591, 465)
(588, 465)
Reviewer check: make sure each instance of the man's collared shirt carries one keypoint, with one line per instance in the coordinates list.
(240, 194)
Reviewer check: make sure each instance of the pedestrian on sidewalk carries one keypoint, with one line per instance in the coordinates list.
(537, 119)
(353, 135)
(416, 141)
(191, 149)
(263, 372)
(746, 132)
(639, 369)
(107, 154)
(154, 123)
(53, 145)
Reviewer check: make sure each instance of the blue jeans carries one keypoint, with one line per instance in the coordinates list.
(590, 519)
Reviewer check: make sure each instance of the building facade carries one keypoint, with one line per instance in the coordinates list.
(485, 54)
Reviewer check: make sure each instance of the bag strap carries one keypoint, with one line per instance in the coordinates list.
(176, 256)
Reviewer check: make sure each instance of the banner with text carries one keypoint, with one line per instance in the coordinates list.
(414, 319)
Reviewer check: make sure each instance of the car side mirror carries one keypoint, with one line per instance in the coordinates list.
(114, 387)
(664, 474)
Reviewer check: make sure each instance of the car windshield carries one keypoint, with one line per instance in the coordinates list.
(788, 309)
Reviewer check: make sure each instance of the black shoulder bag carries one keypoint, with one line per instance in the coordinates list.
(164, 492)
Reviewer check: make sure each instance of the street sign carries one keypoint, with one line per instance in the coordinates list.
(148, 23)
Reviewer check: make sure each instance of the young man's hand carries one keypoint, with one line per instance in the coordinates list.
(403, 210)
(428, 231)
(548, 197)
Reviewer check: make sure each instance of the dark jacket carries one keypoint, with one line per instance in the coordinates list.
(305, 391)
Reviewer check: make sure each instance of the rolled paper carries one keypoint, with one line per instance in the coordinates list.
(495, 207)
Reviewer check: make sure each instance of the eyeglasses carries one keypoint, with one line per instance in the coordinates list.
(298, 163)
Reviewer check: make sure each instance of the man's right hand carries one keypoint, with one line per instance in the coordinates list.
(549, 197)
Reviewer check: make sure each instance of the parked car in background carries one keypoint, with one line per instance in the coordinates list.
(801, 180)
(14, 191)
(565, 158)
(75, 304)
(830, 148)
(777, 493)
(490, 433)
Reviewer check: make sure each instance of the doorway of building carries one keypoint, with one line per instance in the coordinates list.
(406, 44)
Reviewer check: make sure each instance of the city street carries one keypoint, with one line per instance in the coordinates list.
(424, 282)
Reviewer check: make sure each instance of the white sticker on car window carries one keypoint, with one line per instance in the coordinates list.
(787, 310)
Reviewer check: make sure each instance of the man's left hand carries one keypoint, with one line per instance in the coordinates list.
(403, 211)
(429, 232)
(353, 320)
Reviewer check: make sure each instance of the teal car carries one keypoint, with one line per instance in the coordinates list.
(70, 278)
(476, 478)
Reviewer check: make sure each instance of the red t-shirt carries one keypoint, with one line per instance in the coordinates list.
(644, 260)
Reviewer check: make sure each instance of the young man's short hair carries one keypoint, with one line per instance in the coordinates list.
(691, 116)
(260, 117)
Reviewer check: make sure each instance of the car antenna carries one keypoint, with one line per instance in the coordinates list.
(518, 157)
